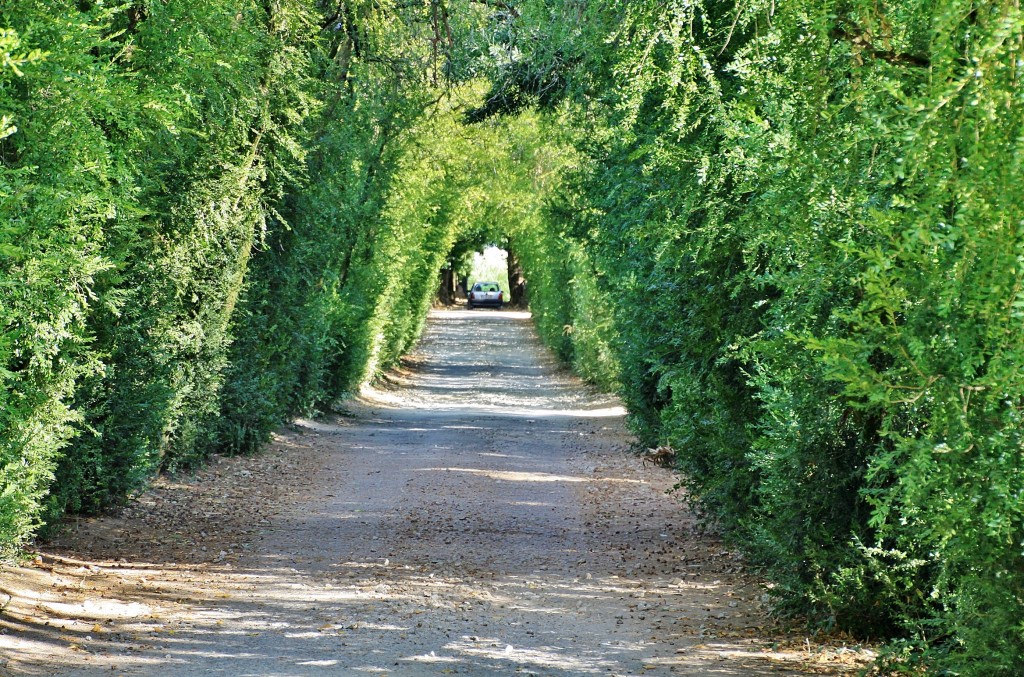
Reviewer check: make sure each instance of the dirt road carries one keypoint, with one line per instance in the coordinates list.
(478, 514)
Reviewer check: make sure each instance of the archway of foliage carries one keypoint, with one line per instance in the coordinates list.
(789, 234)
(509, 171)
(229, 214)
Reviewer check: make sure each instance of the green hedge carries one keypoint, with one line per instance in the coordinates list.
(143, 140)
(789, 234)
(805, 218)
(198, 230)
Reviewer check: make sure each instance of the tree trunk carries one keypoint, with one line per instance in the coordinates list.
(516, 282)
(446, 290)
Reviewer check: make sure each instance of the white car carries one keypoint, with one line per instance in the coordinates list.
(485, 294)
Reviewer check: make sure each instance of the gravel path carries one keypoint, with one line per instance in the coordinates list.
(477, 514)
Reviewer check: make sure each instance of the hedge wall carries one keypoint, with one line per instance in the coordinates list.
(198, 228)
(805, 218)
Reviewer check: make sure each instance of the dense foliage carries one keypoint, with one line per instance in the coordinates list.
(127, 226)
(196, 235)
(804, 220)
(789, 234)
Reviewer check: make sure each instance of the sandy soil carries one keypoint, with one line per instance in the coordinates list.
(478, 513)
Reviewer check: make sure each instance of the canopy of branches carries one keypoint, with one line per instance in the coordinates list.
(788, 234)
